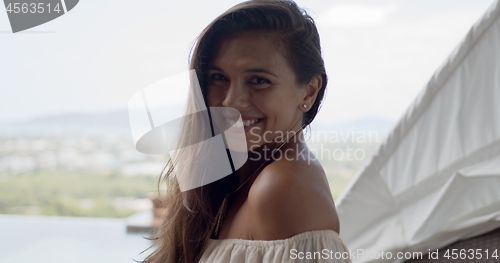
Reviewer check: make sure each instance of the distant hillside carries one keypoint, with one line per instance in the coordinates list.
(114, 121)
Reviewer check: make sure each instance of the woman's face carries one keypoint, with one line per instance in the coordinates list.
(247, 72)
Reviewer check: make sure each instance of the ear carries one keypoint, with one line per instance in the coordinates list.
(310, 92)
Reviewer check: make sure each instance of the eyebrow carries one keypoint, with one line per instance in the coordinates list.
(261, 70)
(254, 70)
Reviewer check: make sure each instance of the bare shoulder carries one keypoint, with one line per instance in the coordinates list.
(290, 197)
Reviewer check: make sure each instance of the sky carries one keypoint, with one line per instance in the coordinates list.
(379, 54)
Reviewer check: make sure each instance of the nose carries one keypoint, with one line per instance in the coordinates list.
(236, 96)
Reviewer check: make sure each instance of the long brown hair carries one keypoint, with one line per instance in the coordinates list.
(191, 214)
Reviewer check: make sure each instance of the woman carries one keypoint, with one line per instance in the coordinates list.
(263, 59)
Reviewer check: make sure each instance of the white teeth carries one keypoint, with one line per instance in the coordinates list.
(241, 123)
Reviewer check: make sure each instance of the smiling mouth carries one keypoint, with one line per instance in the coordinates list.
(245, 123)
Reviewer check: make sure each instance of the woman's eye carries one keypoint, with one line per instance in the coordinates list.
(217, 78)
(261, 82)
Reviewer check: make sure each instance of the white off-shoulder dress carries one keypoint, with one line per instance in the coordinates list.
(311, 246)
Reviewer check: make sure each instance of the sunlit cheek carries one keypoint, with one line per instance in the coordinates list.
(279, 123)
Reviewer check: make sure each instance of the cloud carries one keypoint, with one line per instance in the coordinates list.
(356, 15)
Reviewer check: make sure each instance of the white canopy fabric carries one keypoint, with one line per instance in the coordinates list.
(436, 178)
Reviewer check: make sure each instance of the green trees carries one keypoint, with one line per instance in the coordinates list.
(72, 193)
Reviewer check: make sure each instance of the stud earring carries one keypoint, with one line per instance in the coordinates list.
(304, 106)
